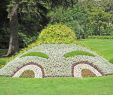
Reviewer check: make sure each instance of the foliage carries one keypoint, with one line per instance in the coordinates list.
(25, 39)
(69, 17)
(100, 21)
(38, 54)
(87, 18)
(76, 53)
(57, 33)
(31, 19)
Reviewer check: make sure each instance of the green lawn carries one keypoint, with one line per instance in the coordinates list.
(57, 86)
(4, 60)
(63, 86)
(102, 47)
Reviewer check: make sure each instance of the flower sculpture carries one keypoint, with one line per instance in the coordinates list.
(57, 56)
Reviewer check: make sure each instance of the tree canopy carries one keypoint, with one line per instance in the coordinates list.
(22, 20)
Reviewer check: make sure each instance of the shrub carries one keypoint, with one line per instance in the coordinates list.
(57, 33)
(38, 54)
(75, 53)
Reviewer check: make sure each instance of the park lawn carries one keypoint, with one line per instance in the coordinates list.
(4, 60)
(103, 47)
(57, 86)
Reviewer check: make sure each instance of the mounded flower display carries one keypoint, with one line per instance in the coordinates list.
(57, 56)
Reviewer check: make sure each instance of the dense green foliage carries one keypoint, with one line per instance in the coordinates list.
(76, 53)
(87, 18)
(57, 86)
(57, 33)
(31, 19)
(38, 54)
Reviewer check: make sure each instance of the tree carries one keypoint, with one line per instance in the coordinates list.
(3, 24)
(13, 44)
(22, 8)
(87, 17)
(99, 20)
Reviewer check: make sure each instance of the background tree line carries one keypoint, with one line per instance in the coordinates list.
(22, 20)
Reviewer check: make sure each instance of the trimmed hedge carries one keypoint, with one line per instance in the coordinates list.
(100, 37)
(75, 53)
(38, 54)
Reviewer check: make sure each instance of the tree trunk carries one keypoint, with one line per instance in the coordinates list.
(13, 43)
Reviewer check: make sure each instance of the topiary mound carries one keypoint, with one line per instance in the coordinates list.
(57, 33)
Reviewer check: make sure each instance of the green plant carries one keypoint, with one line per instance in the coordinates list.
(75, 53)
(57, 33)
(38, 54)
(26, 38)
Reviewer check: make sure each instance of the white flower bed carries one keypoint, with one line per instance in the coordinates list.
(56, 64)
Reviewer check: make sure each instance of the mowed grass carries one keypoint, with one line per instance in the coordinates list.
(103, 47)
(57, 86)
(3, 60)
